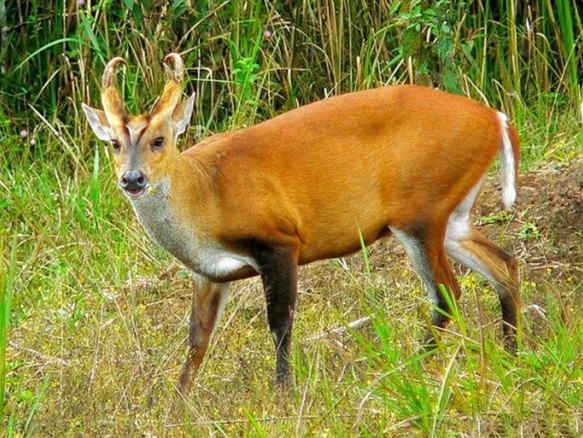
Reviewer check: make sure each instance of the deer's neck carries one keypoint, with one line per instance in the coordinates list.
(168, 213)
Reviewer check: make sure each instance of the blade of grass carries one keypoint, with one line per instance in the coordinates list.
(7, 277)
(37, 401)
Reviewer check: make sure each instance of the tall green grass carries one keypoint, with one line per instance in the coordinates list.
(262, 57)
(8, 274)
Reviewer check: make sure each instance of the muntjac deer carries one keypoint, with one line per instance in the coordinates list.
(305, 186)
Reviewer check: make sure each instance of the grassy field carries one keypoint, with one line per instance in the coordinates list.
(94, 316)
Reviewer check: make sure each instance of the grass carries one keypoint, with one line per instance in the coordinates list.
(94, 315)
(6, 290)
(112, 332)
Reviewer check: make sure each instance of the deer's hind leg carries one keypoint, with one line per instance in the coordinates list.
(467, 246)
(424, 246)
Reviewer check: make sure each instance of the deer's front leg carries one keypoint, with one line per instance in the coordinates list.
(278, 268)
(208, 302)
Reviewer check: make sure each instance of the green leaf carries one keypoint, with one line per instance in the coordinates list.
(26, 395)
(138, 16)
(450, 82)
(444, 48)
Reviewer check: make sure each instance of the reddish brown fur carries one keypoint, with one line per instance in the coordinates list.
(204, 310)
(314, 176)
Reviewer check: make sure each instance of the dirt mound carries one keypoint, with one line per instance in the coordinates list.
(546, 224)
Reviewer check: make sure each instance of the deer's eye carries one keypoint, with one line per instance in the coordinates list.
(158, 143)
(115, 144)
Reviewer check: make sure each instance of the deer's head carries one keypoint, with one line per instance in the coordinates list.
(143, 145)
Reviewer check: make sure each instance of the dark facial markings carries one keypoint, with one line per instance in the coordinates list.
(133, 147)
(134, 140)
(141, 135)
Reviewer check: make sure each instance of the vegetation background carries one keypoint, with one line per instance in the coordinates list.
(93, 316)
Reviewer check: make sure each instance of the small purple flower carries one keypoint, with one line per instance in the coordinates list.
(267, 34)
(24, 133)
(80, 2)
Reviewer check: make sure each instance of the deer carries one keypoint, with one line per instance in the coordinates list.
(317, 182)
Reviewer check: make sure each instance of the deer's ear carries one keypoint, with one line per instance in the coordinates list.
(182, 115)
(98, 122)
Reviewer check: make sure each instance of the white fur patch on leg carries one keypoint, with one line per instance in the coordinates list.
(457, 252)
(459, 228)
(418, 255)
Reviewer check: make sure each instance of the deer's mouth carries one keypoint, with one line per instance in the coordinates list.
(134, 192)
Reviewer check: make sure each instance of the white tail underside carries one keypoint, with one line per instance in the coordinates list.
(507, 159)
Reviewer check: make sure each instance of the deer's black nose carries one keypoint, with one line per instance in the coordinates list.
(134, 182)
